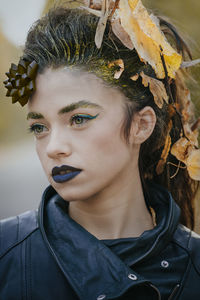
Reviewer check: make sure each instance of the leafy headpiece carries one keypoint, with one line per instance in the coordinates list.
(135, 28)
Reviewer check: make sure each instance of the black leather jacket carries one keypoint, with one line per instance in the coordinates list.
(46, 255)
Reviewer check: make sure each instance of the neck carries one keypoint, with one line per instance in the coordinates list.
(122, 213)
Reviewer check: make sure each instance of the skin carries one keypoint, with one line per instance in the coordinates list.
(106, 198)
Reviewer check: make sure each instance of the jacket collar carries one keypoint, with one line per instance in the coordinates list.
(88, 262)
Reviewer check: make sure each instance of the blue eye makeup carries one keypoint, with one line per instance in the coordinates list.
(81, 119)
(77, 120)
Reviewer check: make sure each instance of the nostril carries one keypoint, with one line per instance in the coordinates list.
(55, 149)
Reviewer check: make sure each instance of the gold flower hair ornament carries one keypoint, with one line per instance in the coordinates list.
(135, 28)
(21, 81)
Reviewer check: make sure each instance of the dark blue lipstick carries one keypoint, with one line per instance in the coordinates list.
(64, 173)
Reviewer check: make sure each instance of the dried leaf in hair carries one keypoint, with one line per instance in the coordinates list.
(147, 37)
(196, 125)
(157, 89)
(94, 4)
(97, 4)
(193, 164)
(134, 77)
(92, 11)
(122, 35)
(102, 23)
(181, 149)
(164, 155)
(186, 109)
(120, 64)
(100, 31)
(192, 135)
(186, 152)
(171, 110)
(184, 104)
(87, 2)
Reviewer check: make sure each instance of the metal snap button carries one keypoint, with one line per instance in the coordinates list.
(101, 297)
(132, 276)
(164, 264)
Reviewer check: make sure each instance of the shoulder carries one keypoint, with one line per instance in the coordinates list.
(15, 229)
(190, 241)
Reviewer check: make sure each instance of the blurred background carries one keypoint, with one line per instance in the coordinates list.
(21, 177)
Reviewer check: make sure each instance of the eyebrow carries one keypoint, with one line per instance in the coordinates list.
(34, 115)
(82, 104)
(66, 109)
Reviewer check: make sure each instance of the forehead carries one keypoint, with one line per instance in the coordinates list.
(59, 87)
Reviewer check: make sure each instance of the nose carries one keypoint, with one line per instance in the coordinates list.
(58, 145)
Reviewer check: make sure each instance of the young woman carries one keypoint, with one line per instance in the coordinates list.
(117, 138)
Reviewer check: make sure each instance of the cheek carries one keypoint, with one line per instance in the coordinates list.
(106, 147)
(108, 142)
(108, 137)
(41, 154)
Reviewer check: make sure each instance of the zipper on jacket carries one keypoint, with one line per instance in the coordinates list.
(174, 291)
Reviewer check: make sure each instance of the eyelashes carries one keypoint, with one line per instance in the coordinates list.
(76, 121)
(36, 129)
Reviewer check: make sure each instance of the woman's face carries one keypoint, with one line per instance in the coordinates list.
(77, 123)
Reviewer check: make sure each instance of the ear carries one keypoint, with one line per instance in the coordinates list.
(142, 125)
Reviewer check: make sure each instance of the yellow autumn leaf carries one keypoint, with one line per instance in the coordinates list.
(193, 164)
(147, 37)
(181, 149)
(186, 152)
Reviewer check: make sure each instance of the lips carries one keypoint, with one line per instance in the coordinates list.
(64, 173)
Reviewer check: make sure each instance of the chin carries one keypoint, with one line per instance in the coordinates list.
(71, 193)
(81, 192)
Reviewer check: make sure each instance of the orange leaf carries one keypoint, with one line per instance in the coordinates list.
(134, 77)
(147, 37)
(120, 63)
(164, 155)
(193, 164)
(157, 89)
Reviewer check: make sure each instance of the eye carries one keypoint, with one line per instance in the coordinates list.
(37, 129)
(80, 119)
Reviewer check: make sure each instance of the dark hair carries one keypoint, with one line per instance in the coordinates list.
(65, 37)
